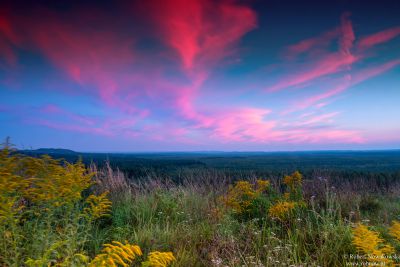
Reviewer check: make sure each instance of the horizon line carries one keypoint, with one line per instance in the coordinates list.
(218, 151)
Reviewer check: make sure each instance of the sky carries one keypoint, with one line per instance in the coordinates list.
(200, 75)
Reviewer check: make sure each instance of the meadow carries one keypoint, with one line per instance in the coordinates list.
(318, 209)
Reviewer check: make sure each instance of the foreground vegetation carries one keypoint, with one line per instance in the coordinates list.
(53, 213)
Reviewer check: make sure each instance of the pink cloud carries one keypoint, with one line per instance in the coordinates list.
(8, 39)
(365, 74)
(334, 136)
(315, 127)
(201, 31)
(316, 98)
(246, 124)
(347, 37)
(339, 62)
(324, 118)
(55, 117)
(58, 111)
(200, 35)
(231, 125)
(330, 63)
(378, 38)
(346, 83)
(101, 62)
(312, 44)
(89, 57)
(256, 125)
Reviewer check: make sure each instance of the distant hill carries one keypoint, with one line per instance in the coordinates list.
(60, 151)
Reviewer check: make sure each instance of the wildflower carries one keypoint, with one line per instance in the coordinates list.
(38, 180)
(159, 259)
(217, 261)
(369, 243)
(12, 184)
(282, 209)
(262, 185)
(240, 196)
(116, 254)
(243, 193)
(54, 183)
(8, 209)
(293, 180)
(99, 206)
(395, 230)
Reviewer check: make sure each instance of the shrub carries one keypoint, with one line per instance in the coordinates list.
(43, 212)
(249, 200)
(46, 219)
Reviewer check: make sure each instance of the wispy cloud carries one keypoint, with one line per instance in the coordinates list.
(339, 63)
(201, 31)
(329, 62)
(347, 82)
(378, 38)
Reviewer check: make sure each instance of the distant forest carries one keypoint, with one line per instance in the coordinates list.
(381, 167)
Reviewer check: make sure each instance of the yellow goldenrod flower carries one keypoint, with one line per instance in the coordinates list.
(39, 180)
(159, 259)
(282, 209)
(369, 243)
(99, 206)
(116, 254)
(239, 197)
(293, 180)
(12, 184)
(57, 184)
(395, 230)
(262, 185)
(243, 193)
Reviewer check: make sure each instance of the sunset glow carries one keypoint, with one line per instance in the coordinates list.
(175, 75)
